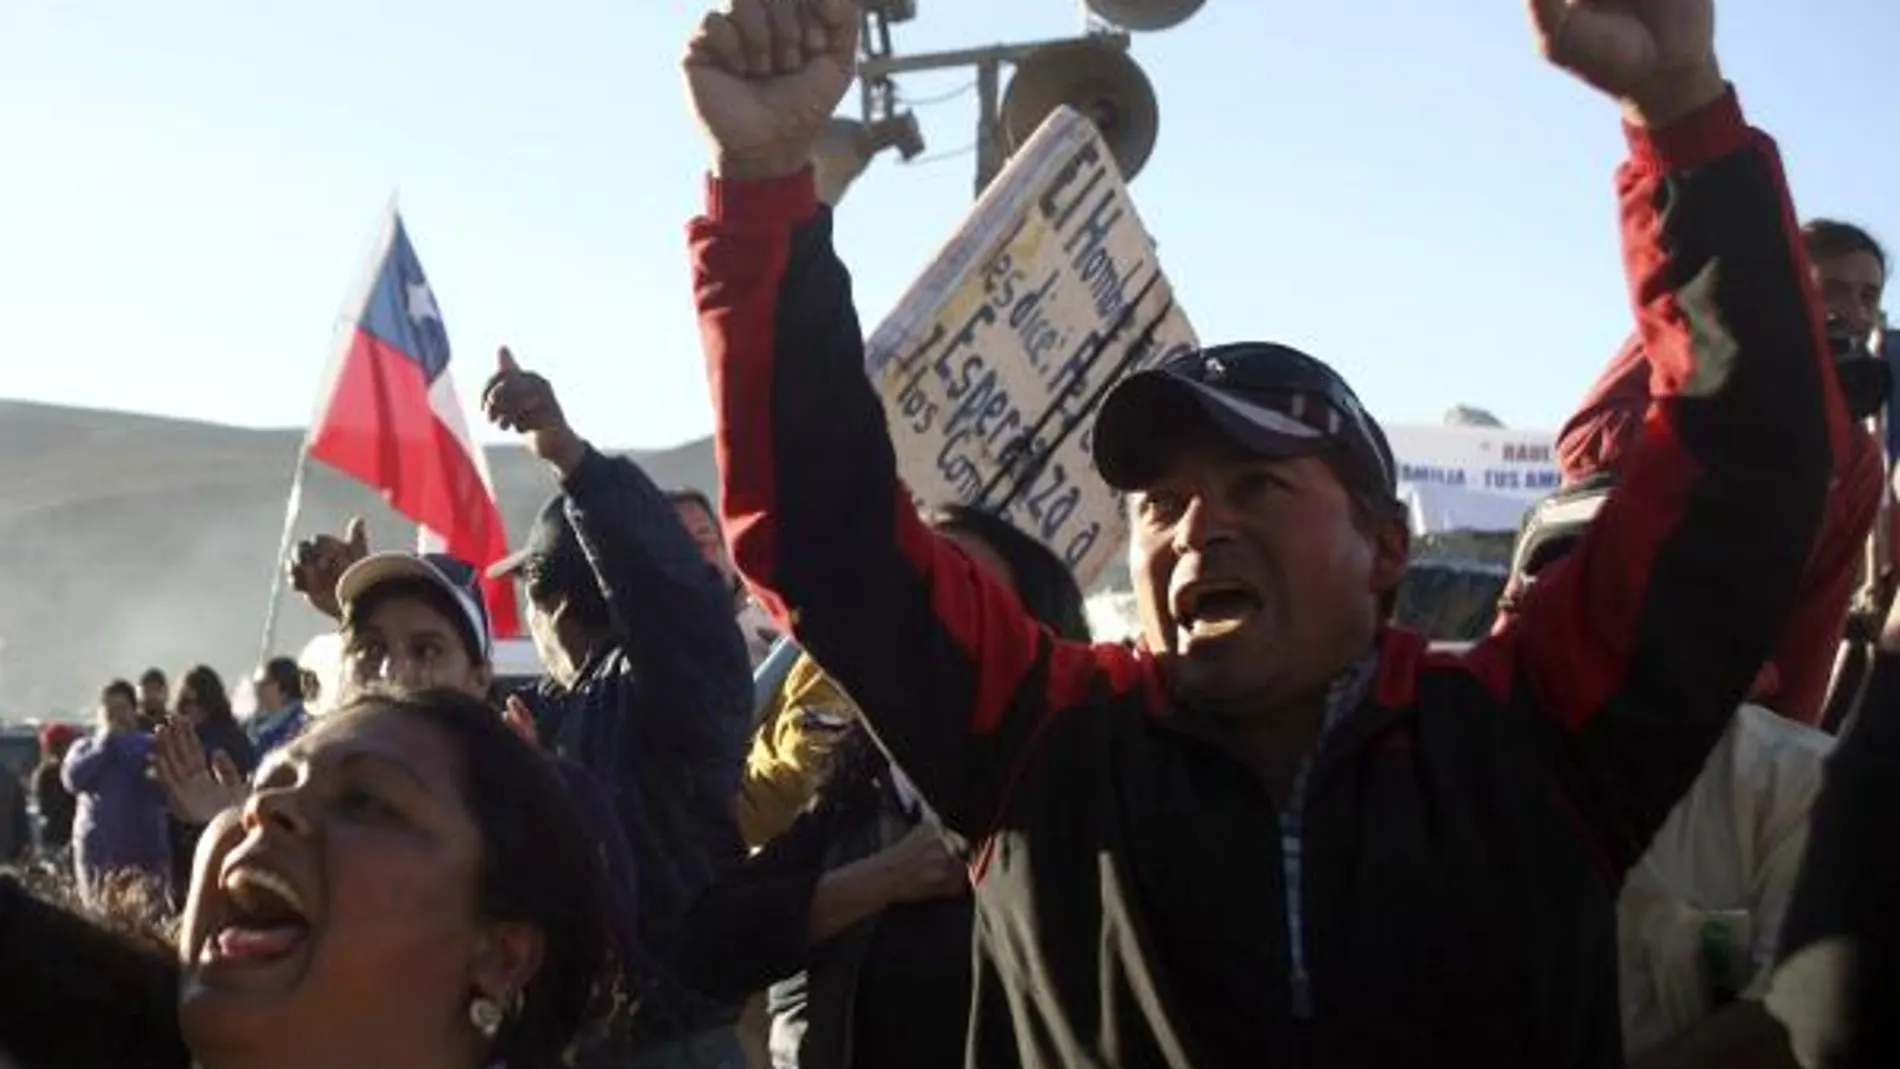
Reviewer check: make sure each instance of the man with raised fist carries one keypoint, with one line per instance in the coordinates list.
(1282, 832)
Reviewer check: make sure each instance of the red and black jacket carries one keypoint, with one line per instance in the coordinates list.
(1795, 681)
(1465, 828)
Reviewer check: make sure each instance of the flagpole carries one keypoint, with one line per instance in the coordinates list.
(293, 507)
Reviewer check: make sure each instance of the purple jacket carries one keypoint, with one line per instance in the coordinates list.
(121, 817)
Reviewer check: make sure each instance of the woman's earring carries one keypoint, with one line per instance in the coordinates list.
(486, 1015)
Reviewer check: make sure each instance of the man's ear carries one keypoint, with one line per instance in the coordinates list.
(507, 957)
(1391, 553)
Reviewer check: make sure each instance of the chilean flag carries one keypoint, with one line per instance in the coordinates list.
(391, 419)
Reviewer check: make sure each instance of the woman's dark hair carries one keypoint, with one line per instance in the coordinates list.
(119, 688)
(206, 688)
(437, 599)
(288, 678)
(1045, 585)
(538, 865)
(152, 677)
(1828, 238)
(686, 495)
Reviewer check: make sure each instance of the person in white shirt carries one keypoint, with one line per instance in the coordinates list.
(1700, 916)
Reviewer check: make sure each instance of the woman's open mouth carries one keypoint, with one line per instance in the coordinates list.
(266, 920)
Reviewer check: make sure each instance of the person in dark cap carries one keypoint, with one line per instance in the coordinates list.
(1281, 831)
(648, 687)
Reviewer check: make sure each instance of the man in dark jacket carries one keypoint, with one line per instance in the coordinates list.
(648, 688)
(1451, 831)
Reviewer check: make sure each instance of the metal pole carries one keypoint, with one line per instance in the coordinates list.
(292, 509)
(989, 123)
(884, 66)
(346, 318)
(769, 677)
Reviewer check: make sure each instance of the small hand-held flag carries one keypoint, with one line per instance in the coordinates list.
(391, 419)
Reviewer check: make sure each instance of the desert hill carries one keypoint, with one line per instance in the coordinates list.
(128, 541)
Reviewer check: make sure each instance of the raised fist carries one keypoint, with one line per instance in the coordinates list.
(1656, 57)
(765, 76)
(317, 563)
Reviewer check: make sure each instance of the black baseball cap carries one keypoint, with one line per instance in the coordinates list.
(454, 577)
(1271, 400)
(552, 543)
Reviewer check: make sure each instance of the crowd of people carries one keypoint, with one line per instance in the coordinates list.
(817, 780)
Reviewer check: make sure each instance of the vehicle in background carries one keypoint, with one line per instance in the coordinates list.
(20, 753)
(20, 748)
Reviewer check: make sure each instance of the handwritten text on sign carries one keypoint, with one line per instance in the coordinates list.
(994, 364)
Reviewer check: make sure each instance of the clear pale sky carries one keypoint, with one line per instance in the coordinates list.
(188, 190)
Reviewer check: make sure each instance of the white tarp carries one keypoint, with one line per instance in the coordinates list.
(1441, 509)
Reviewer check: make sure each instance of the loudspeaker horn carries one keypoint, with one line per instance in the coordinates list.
(1099, 80)
(1144, 15)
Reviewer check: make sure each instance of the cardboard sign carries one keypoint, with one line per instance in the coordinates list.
(995, 361)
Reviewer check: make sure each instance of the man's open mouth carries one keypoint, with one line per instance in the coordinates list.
(1209, 609)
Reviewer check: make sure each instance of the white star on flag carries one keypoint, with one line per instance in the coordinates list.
(422, 303)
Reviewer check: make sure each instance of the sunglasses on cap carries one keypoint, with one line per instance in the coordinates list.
(1270, 399)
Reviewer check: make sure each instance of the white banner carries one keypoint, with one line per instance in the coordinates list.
(1471, 478)
(1487, 460)
(994, 363)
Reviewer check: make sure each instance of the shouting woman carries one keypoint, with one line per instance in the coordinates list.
(407, 885)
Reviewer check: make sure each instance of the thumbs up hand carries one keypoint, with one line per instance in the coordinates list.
(318, 563)
(516, 399)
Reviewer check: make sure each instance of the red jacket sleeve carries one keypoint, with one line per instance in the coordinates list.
(1639, 645)
(953, 676)
(1811, 639)
(1610, 418)
(1606, 427)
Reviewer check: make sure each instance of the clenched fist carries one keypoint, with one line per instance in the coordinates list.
(317, 563)
(765, 76)
(1655, 57)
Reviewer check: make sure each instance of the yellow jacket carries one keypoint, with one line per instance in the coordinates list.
(791, 751)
